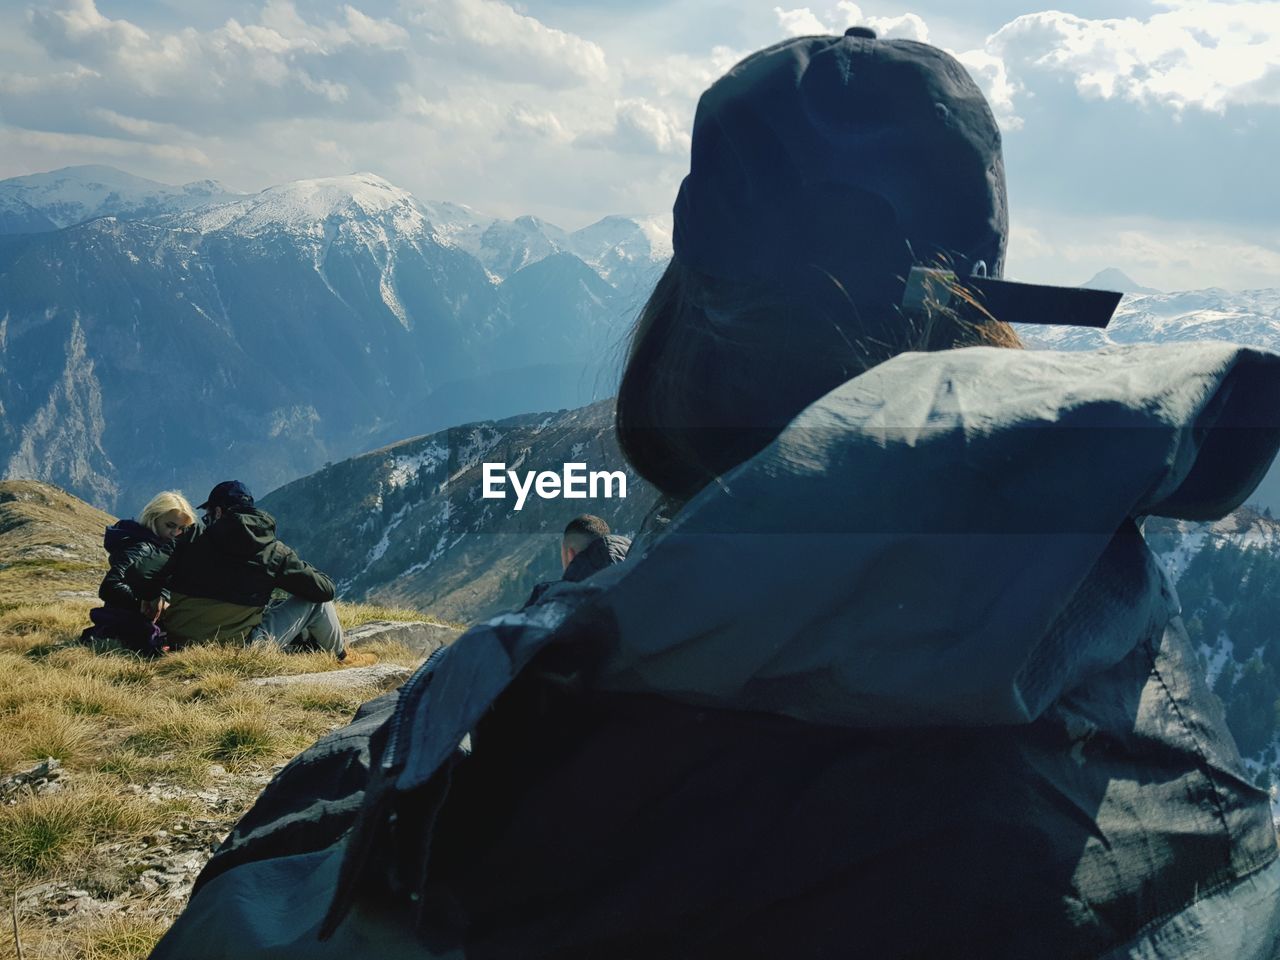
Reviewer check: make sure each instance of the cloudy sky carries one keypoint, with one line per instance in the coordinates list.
(1138, 134)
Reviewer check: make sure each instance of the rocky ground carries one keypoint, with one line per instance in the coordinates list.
(147, 877)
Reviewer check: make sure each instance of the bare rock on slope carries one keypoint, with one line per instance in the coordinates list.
(379, 676)
(421, 637)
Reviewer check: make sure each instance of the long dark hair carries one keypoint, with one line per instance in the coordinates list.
(716, 369)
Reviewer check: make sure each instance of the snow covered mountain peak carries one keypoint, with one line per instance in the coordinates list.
(306, 206)
(71, 195)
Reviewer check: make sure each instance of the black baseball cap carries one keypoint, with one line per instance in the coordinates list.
(229, 493)
(856, 159)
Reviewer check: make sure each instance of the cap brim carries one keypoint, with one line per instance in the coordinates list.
(1016, 302)
(203, 505)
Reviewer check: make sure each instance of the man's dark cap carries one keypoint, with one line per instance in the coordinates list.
(849, 159)
(229, 493)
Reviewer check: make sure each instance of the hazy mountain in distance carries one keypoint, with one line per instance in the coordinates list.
(1115, 279)
(72, 195)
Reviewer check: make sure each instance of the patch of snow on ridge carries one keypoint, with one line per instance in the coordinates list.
(387, 288)
(457, 225)
(1217, 657)
(405, 469)
(479, 442)
(1177, 560)
(384, 543)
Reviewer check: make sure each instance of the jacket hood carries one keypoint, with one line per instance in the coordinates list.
(948, 538)
(125, 533)
(243, 532)
(600, 553)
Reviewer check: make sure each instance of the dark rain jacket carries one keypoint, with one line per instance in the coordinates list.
(221, 579)
(129, 545)
(908, 683)
(599, 554)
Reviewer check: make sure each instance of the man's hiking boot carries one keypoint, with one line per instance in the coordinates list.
(358, 658)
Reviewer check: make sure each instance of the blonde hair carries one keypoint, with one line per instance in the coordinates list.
(161, 504)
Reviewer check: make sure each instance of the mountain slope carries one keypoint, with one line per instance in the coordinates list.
(408, 525)
(1228, 580)
(50, 544)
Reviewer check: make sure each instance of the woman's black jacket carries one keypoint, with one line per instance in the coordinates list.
(128, 544)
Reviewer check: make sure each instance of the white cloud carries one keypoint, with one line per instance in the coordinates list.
(800, 23)
(25, 85)
(524, 120)
(76, 28)
(991, 75)
(366, 30)
(493, 37)
(682, 76)
(641, 127)
(230, 64)
(803, 22)
(1207, 55)
(133, 126)
(91, 149)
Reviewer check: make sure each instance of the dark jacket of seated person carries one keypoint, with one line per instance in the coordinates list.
(129, 543)
(221, 579)
(587, 547)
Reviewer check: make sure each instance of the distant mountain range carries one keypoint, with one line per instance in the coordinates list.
(63, 198)
(155, 336)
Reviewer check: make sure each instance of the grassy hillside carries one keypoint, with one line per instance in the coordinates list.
(154, 759)
(50, 545)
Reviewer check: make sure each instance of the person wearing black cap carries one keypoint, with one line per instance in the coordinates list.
(899, 677)
(221, 577)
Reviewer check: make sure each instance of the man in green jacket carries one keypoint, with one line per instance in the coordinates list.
(221, 577)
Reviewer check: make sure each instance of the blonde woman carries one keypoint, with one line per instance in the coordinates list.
(129, 543)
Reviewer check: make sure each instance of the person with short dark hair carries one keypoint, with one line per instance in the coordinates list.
(220, 581)
(586, 547)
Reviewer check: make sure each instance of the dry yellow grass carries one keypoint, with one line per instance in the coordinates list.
(39, 730)
(120, 938)
(118, 723)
